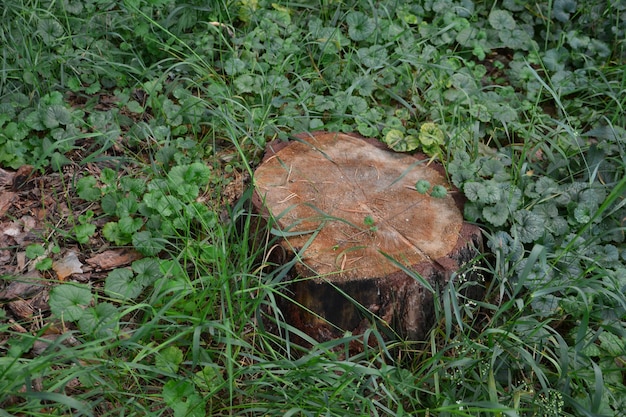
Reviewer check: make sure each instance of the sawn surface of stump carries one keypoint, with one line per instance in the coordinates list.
(349, 210)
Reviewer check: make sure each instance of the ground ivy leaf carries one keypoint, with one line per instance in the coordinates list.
(373, 57)
(473, 190)
(134, 107)
(422, 186)
(439, 191)
(181, 397)
(497, 215)
(397, 141)
(68, 301)
(84, 231)
(208, 378)
(120, 284)
(126, 207)
(562, 9)
(528, 225)
(246, 84)
(360, 26)
(169, 359)
(99, 321)
(56, 115)
(87, 190)
(148, 245)
(147, 270)
(34, 250)
(129, 225)
(501, 20)
(50, 30)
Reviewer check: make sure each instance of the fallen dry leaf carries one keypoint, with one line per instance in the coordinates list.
(113, 258)
(22, 287)
(67, 266)
(6, 199)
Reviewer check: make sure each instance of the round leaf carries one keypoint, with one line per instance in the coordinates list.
(69, 301)
(360, 27)
(501, 20)
(120, 284)
(396, 140)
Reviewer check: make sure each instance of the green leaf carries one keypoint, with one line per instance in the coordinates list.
(209, 378)
(147, 270)
(528, 226)
(44, 265)
(68, 301)
(247, 84)
(181, 397)
(126, 207)
(87, 190)
(34, 250)
(172, 112)
(49, 30)
(431, 138)
(108, 177)
(439, 191)
(148, 245)
(169, 359)
(56, 115)
(323, 103)
(497, 214)
(501, 20)
(100, 320)
(396, 140)
(93, 88)
(612, 343)
(120, 284)
(84, 231)
(373, 57)
(360, 26)
(562, 9)
(134, 107)
(109, 203)
(128, 225)
(58, 161)
(422, 186)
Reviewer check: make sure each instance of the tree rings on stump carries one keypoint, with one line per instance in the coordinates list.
(348, 208)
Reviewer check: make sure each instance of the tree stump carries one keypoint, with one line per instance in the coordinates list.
(348, 208)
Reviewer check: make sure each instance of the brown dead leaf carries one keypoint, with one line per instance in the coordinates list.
(21, 177)
(6, 200)
(6, 177)
(23, 287)
(70, 264)
(113, 258)
(21, 309)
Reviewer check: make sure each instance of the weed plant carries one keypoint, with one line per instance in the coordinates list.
(522, 102)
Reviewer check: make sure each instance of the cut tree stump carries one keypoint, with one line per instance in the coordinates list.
(347, 207)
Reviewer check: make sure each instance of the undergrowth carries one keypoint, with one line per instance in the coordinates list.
(523, 104)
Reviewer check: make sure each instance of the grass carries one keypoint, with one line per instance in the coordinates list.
(124, 100)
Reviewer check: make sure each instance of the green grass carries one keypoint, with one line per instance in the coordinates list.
(177, 100)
